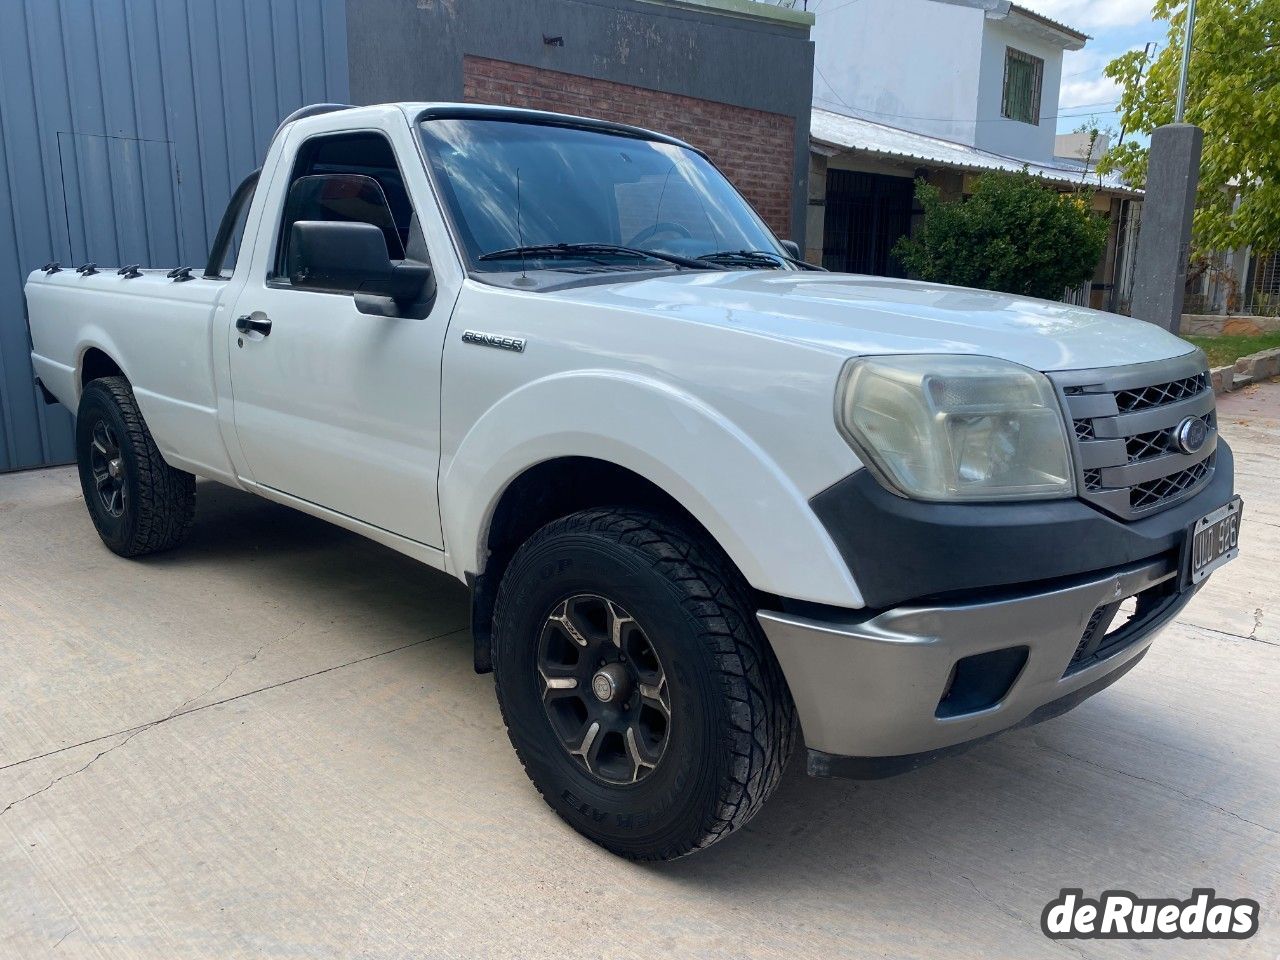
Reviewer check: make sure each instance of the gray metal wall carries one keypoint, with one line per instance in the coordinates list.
(413, 50)
(124, 127)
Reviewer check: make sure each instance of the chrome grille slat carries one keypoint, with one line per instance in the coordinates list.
(1113, 501)
(1091, 405)
(1154, 418)
(1144, 446)
(1131, 474)
(1103, 453)
(1124, 422)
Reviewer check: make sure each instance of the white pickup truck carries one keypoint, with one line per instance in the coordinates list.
(708, 498)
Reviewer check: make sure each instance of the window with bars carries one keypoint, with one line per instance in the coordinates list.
(1023, 80)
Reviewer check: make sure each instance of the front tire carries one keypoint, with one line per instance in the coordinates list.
(636, 684)
(139, 504)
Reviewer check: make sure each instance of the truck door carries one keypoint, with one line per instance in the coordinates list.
(332, 405)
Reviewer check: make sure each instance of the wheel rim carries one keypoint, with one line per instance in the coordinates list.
(604, 689)
(107, 466)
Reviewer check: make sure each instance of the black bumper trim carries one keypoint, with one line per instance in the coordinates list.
(821, 764)
(902, 551)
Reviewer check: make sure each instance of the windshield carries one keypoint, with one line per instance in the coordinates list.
(569, 185)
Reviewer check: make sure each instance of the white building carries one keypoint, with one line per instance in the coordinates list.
(984, 73)
(944, 90)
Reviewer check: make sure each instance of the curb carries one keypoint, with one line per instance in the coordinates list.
(1251, 369)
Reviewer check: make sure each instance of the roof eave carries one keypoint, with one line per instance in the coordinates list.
(1071, 38)
(833, 149)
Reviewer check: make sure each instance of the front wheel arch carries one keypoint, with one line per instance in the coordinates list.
(557, 488)
(753, 507)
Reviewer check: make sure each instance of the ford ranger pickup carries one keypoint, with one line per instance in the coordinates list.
(709, 499)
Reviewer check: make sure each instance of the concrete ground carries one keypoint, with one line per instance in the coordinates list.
(271, 744)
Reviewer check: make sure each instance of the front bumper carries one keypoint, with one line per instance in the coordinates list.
(878, 695)
(900, 550)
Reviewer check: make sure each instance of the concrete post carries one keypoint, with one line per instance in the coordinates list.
(816, 224)
(1164, 241)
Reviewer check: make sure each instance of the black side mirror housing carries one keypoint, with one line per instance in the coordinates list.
(351, 257)
(792, 248)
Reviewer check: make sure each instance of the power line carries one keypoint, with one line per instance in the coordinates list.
(830, 85)
(1087, 113)
(1079, 106)
(847, 3)
(908, 116)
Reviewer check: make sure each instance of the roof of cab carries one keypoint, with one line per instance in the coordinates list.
(417, 111)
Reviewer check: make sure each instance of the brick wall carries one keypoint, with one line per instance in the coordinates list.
(752, 147)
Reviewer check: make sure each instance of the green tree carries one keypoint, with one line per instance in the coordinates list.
(1014, 234)
(1233, 94)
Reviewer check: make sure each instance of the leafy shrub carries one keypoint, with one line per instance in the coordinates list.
(1014, 234)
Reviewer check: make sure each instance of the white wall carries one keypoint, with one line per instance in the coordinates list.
(1012, 137)
(1081, 146)
(903, 63)
(936, 68)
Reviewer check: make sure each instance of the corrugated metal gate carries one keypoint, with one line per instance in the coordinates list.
(866, 214)
(124, 127)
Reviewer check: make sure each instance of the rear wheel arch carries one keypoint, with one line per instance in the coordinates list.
(95, 364)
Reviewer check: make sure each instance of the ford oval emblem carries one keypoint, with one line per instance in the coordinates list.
(1191, 435)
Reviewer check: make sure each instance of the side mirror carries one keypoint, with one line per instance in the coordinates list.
(792, 248)
(351, 257)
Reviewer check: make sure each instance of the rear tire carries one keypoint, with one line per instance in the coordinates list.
(659, 778)
(139, 504)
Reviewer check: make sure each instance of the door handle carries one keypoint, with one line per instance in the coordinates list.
(256, 322)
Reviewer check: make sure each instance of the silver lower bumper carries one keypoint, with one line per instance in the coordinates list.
(871, 688)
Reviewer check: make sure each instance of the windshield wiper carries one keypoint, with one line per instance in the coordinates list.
(585, 250)
(755, 258)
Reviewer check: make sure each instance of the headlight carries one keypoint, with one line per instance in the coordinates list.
(956, 428)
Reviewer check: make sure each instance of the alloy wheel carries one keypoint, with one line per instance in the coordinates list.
(106, 463)
(604, 689)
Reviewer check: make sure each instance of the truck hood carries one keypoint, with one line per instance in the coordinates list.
(858, 315)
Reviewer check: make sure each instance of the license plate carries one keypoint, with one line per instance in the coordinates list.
(1215, 539)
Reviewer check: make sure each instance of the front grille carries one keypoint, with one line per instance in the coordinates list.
(1154, 492)
(1155, 443)
(1159, 394)
(1125, 424)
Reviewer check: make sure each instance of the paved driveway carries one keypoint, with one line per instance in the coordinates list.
(272, 744)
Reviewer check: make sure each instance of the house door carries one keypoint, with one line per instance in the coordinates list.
(866, 214)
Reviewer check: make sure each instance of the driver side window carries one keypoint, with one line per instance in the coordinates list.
(349, 178)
